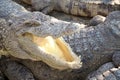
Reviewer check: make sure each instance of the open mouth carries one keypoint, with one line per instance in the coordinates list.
(55, 47)
(55, 52)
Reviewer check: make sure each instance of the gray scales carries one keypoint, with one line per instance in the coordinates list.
(107, 71)
(23, 29)
(88, 8)
(95, 44)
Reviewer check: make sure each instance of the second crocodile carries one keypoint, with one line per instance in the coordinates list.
(88, 8)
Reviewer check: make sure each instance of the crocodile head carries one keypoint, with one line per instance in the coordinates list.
(42, 40)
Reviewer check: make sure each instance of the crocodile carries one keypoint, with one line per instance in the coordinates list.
(28, 35)
(94, 44)
(88, 8)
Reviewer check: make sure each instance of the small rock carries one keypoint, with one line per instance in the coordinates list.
(96, 20)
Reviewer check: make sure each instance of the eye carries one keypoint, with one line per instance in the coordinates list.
(31, 23)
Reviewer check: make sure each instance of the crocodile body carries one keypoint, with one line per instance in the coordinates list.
(22, 28)
(94, 44)
(88, 8)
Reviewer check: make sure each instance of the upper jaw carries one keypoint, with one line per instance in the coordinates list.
(55, 28)
(41, 25)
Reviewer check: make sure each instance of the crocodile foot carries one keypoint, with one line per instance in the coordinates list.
(106, 72)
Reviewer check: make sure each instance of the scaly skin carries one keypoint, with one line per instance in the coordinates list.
(15, 71)
(94, 44)
(88, 8)
(100, 40)
(116, 58)
(22, 27)
(105, 72)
